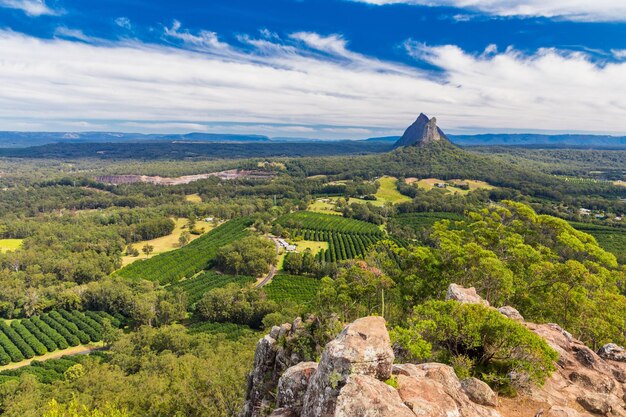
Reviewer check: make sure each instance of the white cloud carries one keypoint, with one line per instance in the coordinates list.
(204, 39)
(30, 7)
(300, 85)
(123, 22)
(577, 10)
(65, 32)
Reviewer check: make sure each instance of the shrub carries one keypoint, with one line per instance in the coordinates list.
(496, 347)
(58, 339)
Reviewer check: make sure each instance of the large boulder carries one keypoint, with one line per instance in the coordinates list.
(511, 313)
(479, 392)
(364, 396)
(293, 384)
(362, 348)
(465, 295)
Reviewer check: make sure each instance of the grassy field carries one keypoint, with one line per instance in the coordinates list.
(166, 243)
(619, 182)
(388, 191)
(324, 205)
(309, 244)
(193, 198)
(430, 183)
(9, 244)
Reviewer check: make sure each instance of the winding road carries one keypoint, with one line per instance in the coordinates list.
(273, 269)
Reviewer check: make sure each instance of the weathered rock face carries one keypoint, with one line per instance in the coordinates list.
(465, 295)
(362, 348)
(511, 313)
(422, 132)
(356, 378)
(271, 359)
(293, 384)
(479, 392)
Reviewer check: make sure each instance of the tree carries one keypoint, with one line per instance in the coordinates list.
(251, 255)
(184, 238)
(147, 249)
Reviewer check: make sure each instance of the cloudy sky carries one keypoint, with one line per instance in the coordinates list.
(313, 68)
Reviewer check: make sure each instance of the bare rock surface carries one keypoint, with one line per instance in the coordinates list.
(464, 295)
(356, 377)
(612, 352)
(362, 348)
(511, 313)
(479, 392)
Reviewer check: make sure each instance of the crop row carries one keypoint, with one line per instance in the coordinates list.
(169, 267)
(46, 371)
(36, 336)
(327, 223)
(300, 289)
(196, 287)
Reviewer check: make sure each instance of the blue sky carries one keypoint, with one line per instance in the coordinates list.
(313, 68)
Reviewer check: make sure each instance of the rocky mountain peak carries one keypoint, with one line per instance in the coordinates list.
(422, 132)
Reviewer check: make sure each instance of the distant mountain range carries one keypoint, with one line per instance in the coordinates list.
(529, 140)
(28, 139)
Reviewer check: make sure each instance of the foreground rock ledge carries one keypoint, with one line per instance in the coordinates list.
(352, 378)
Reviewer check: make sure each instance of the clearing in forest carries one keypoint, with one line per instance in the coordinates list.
(455, 186)
(388, 191)
(166, 243)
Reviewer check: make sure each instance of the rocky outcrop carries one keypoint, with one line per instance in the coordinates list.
(479, 392)
(585, 383)
(422, 132)
(465, 295)
(271, 360)
(356, 377)
(362, 348)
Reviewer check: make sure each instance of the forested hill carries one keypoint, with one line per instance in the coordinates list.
(447, 161)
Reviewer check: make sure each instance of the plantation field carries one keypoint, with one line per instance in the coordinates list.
(346, 238)
(388, 191)
(196, 287)
(612, 239)
(325, 222)
(420, 222)
(165, 243)
(169, 267)
(58, 330)
(47, 371)
(10, 244)
(231, 331)
(299, 289)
